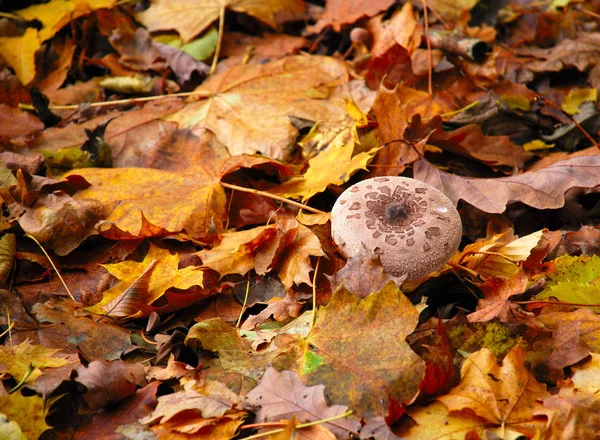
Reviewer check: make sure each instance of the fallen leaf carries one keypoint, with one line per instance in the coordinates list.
(505, 395)
(24, 362)
(339, 12)
(27, 412)
(172, 404)
(297, 86)
(542, 189)
(333, 166)
(109, 383)
(281, 395)
(19, 52)
(357, 350)
(159, 272)
(189, 18)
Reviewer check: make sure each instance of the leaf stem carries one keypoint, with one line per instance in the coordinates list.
(28, 235)
(237, 325)
(302, 425)
(272, 196)
(314, 298)
(202, 94)
(215, 60)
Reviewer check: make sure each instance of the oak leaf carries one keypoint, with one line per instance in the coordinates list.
(189, 18)
(264, 98)
(542, 189)
(357, 349)
(109, 382)
(281, 395)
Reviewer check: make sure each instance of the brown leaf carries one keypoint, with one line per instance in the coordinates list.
(109, 382)
(281, 395)
(542, 189)
(339, 12)
(172, 404)
(264, 98)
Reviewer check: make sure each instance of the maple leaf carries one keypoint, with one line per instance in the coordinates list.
(285, 247)
(235, 353)
(357, 350)
(146, 209)
(189, 18)
(340, 12)
(573, 280)
(542, 189)
(164, 275)
(28, 412)
(505, 395)
(281, 395)
(26, 361)
(264, 98)
(333, 166)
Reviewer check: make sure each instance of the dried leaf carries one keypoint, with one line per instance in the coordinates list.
(281, 395)
(542, 189)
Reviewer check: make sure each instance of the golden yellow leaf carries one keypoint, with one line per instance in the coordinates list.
(576, 97)
(332, 166)
(26, 360)
(249, 107)
(190, 17)
(193, 203)
(165, 275)
(28, 412)
(19, 52)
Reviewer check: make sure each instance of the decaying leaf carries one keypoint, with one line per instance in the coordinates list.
(281, 395)
(542, 189)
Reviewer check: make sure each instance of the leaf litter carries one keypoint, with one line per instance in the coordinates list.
(177, 164)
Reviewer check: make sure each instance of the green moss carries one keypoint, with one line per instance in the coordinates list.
(494, 336)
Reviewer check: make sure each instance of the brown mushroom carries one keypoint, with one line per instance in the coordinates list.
(412, 227)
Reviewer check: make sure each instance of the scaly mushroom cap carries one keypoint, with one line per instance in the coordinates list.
(410, 225)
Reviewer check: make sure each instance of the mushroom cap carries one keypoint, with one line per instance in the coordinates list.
(410, 225)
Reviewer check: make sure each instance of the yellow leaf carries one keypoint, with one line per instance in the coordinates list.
(19, 52)
(28, 412)
(536, 145)
(135, 199)
(8, 247)
(165, 275)
(190, 17)
(333, 166)
(576, 97)
(27, 360)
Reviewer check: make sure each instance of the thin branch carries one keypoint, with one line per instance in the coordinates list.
(215, 60)
(202, 94)
(28, 235)
(272, 196)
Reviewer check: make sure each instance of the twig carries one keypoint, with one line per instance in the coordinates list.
(237, 325)
(28, 235)
(314, 298)
(215, 60)
(272, 196)
(558, 303)
(585, 133)
(429, 57)
(302, 425)
(119, 101)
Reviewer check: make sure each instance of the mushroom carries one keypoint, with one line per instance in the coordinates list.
(412, 227)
